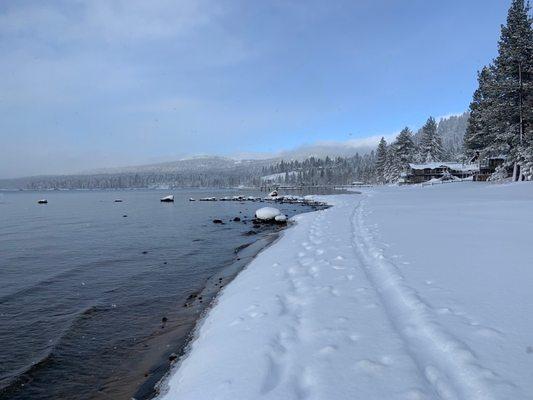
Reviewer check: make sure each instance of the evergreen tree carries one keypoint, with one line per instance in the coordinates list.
(381, 160)
(393, 167)
(431, 149)
(480, 132)
(404, 146)
(514, 79)
(501, 122)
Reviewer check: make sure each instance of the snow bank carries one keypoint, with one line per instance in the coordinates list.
(358, 301)
(267, 213)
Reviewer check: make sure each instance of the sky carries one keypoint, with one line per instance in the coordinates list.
(103, 83)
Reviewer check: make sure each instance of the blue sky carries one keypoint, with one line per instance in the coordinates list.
(87, 84)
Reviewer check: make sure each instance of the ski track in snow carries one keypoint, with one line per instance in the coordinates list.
(326, 314)
(447, 363)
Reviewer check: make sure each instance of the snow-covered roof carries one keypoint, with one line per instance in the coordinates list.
(451, 165)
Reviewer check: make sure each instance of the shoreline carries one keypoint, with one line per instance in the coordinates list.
(161, 369)
(149, 389)
(245, 255)
(161, 386)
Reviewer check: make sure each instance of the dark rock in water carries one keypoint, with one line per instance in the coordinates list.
(218, 221)
(145, 252)
(192, 296)
(165, 263)
(164, 319)
(256, 226)
(250, 233)
(43, 201)
(118, 201)
(172, 357)
(124, 216)
(236, 219)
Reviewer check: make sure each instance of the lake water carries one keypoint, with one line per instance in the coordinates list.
(95, 295)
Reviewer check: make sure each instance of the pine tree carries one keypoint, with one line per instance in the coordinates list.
(393, 168)
(381, 160)
(501, 121)
(431, 149)
(404, 146)
(480, 131)
(514, 74)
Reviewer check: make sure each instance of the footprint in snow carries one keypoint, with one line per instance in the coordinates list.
(370, 366)
(324, 351)
(489, 333)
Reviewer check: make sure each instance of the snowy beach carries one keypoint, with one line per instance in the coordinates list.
(397, 293)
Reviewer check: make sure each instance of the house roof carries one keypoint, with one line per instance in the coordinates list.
(451, 165)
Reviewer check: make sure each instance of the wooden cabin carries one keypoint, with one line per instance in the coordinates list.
(419, 173)
(487, 166)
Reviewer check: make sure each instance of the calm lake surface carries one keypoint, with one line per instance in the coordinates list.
(92, 303)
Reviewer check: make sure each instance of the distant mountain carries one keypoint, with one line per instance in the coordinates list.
(203, 171)
(331, 149)
(219, 163)
(197, 164)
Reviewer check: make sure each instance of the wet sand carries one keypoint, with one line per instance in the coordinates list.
(152, 358)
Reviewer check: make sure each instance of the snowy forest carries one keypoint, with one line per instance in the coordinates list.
(442, 141)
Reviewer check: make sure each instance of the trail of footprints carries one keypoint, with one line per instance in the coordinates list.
(305, 287)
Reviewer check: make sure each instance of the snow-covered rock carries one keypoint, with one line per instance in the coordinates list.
(267, 213)
(280, 218)
(168, 199)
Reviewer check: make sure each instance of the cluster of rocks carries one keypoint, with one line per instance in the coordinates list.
(276, 199)
(265, 215)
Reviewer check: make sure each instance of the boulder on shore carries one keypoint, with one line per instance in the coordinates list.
(281, 219)
(267, 213)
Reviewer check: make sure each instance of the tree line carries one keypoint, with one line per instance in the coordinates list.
(434, 142)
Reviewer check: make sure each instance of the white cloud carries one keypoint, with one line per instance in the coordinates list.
(109, 21)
